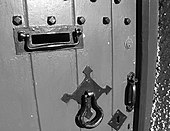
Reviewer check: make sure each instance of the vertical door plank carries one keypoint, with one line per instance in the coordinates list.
(17, 103)
(54, 72)
(123, 56)
(97, 51)
(39, 10)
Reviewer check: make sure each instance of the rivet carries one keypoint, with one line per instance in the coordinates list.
(51, 20)
(17, 20)
(127, 21)
(106, 20)
(81, 20)
(117, 1)
(93, 0)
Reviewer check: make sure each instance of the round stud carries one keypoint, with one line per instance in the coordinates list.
(106, 20)
(117, 1)
(51, 20)
(93, 0)
(17, 20)
(81, 20)
(127, 21)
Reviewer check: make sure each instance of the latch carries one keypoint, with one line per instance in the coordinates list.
(43, 38)
(130, 92)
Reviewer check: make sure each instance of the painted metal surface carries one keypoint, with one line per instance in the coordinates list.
(124, 55)
(33, 84)
(17, 102)
(97, 51)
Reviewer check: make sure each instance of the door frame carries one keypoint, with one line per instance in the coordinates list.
(146, 53)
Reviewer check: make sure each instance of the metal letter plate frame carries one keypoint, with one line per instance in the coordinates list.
(38, 30)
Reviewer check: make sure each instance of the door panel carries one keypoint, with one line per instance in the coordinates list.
(32, 84)
(97, 51)
(54, 72)
(17, 102)
(39, 10)
(124, 47)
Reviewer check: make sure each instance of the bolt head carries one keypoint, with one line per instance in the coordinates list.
(51, 20)
(106, 20)
(81, 20)
(17, 20)
(117, 1)
(127, 21)
(93, 0)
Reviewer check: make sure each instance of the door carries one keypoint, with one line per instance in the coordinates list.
(36, 77)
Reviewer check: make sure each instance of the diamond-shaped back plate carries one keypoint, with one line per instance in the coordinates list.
(88, 84)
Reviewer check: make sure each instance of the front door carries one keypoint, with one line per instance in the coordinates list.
(91, 49)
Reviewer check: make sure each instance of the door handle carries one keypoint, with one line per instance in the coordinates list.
(130, 92)
(80, 117)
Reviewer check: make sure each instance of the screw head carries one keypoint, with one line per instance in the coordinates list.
(127, 21)
(117, 1)
(17, 20)
(81, 20)
(106, 20)
(51, 20)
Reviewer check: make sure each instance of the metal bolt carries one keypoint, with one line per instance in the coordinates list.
(128, 43)
(106, 20)
(79, 32)
(127, 21)
(117, 1)
(81, 20)
(51, 20)
(17, 20)
(22, 35)
(93, 0)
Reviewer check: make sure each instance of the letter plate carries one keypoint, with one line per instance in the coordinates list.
(41, 38)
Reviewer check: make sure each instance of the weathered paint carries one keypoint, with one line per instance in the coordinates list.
(123, 54)
(32, 84)
(17, 102)
(54, 72)
(97, 51)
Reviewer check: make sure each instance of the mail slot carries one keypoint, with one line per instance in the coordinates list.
(51, 38)
(40, 38)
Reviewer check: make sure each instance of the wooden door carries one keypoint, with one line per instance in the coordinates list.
(33, 84)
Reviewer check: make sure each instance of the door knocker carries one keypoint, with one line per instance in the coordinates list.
(80, 117)
(87, 94)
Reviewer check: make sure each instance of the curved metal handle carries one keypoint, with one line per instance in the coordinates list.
(80, 117)
(130, 92)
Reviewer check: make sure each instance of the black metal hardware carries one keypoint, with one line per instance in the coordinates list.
(106, 20)
(17, 20)
(44, 38)
(117, 1)
(81, 20)
(117, 120)
(130, 92)
(80, 117)
(88, 84)
(127, 21)
(51, 20)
